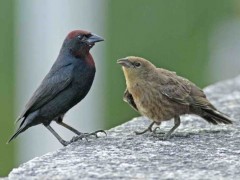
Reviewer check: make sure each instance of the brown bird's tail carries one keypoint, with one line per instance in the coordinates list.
(213, 116)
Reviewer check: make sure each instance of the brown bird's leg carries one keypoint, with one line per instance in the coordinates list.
(146, 130)
(176, 124)
(63, 142)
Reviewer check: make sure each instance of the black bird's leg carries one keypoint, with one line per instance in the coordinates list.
(70, 128)
(59, 120)
(146, 130)
(63, 142)
(177, 122)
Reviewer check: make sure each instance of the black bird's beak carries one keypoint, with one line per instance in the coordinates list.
(94, 38)
(125, 62)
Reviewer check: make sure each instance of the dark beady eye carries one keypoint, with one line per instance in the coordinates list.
(137, 64)
(79, 37)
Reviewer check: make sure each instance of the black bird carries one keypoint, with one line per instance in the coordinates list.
(66, 84)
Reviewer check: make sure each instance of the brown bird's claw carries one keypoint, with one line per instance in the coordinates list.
(142, 132)
(162, 136)
(155, 130)
(146, 130)
(157, 133)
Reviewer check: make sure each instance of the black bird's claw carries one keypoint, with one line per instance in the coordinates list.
(65, 143)
(95, 133)
(87, 135)
(81, 137)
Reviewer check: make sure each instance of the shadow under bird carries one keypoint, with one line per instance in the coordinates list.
(65, 85)
(161, 95)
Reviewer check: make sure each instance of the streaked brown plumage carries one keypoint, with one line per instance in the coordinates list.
(161, 95)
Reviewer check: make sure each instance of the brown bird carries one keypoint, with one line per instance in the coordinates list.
(161, 95)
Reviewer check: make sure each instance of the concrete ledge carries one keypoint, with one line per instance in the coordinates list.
(197, 151)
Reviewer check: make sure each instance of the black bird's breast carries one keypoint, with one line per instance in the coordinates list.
(83, 76)
(82, 79)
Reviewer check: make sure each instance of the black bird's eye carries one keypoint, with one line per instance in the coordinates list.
(79, 37)
(137, 64)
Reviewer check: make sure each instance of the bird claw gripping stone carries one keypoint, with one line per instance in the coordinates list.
(96, 133)
(87, 135)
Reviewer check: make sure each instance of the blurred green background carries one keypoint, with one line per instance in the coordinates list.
(172, 34)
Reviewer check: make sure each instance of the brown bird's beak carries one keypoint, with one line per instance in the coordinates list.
(125, 63)
(94, 38)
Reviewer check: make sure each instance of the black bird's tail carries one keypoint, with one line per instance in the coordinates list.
(215, 117)
(23, 126)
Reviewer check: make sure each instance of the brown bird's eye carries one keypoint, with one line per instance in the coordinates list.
(137, 64)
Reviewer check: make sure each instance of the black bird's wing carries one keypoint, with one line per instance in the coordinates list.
(127, 97)
(55, 82)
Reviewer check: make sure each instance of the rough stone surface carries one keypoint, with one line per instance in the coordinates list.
(197, 150)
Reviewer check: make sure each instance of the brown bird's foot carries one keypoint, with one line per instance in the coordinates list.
(162, 136)
(146, 130)
(157, 133)
(167, 136)
(142, 132)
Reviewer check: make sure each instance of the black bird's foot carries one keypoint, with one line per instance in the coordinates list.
(65, 143)
(87, 135)
(95, 133)
(79, 137)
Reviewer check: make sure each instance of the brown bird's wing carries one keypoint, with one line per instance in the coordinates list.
(127, 97)
(174, 87)
(184, 92)
(55, 82)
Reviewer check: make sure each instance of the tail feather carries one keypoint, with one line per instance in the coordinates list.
(216, 117)
(18, 119)
(21, 129)
(210, 119)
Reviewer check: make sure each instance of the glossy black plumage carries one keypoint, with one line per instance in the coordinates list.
(67, 83)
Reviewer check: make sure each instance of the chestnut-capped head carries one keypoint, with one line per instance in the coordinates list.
(136, 67)
(79, 42)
